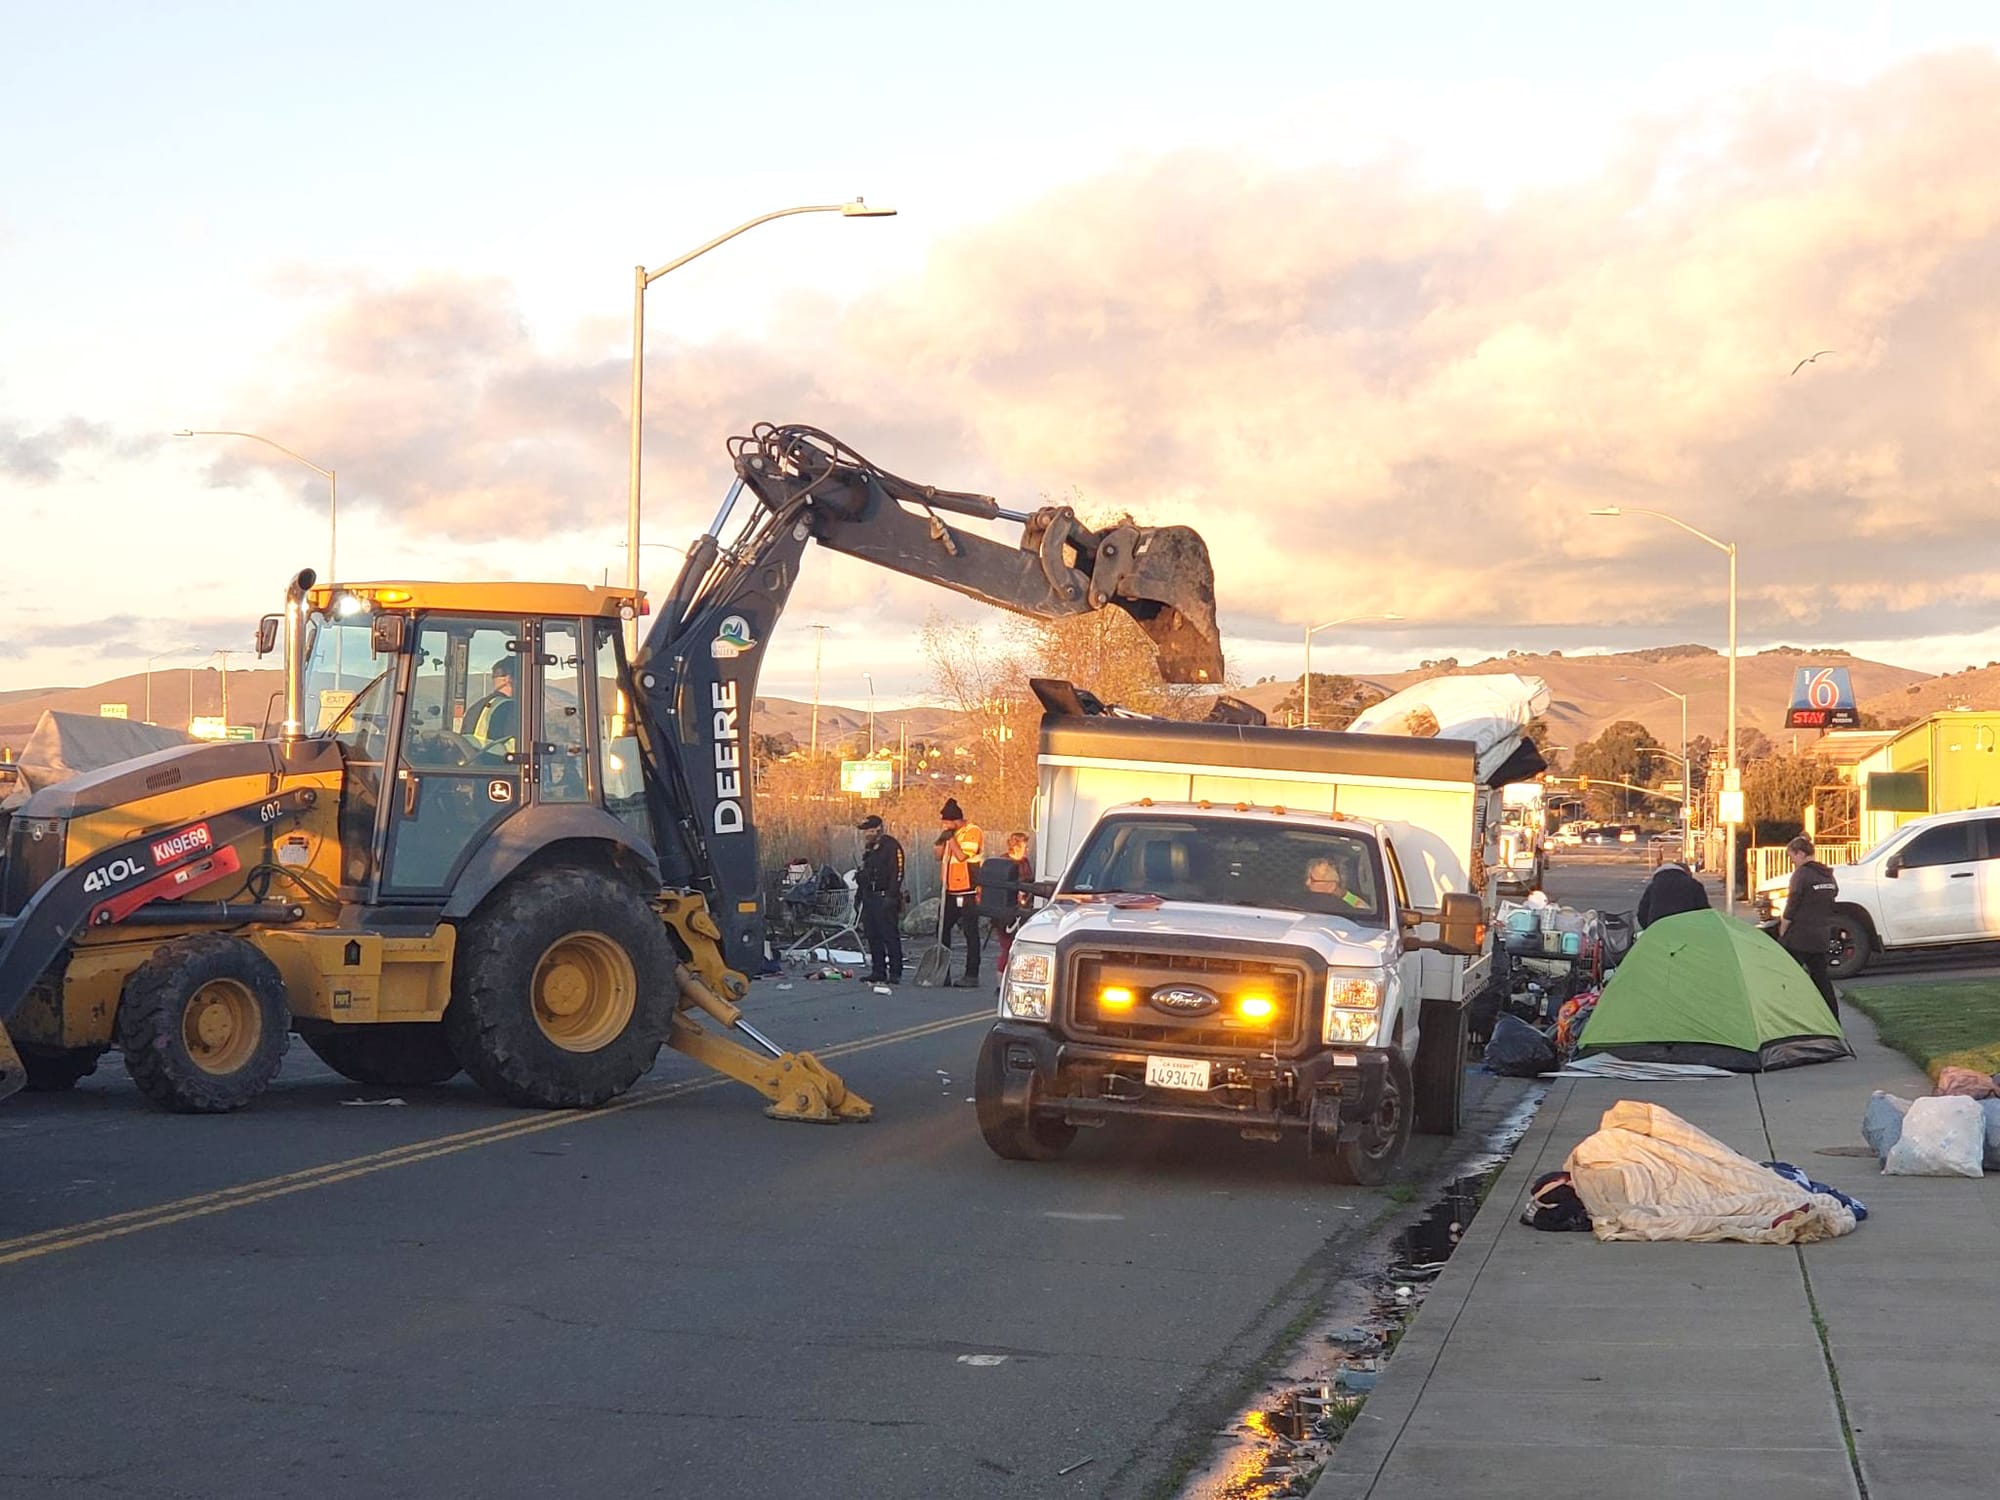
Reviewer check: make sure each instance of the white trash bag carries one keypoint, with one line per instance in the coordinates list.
(1943, 1136)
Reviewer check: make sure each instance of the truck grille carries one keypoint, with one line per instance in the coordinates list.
(1288, 982)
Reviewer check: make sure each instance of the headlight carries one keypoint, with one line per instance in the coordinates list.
(1355, 1026)
(1031, 972)
(1353, 1004)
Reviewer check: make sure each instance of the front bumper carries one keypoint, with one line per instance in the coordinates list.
(1087, 1083)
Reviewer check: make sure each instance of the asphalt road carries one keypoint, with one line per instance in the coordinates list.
(670, 1296)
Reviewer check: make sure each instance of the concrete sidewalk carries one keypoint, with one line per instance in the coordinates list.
(1553, 1364)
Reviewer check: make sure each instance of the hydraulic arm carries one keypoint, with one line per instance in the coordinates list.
(697, 670)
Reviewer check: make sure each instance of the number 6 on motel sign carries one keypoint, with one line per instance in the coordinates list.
(1822, 698)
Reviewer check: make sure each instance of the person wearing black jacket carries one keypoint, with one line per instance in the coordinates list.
(878, 887)
(1672, 890)
(1807, 925)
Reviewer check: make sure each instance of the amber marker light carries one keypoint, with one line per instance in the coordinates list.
(1113, 997)
(1255, 1007)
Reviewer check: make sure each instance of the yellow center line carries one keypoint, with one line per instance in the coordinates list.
(113, 1226)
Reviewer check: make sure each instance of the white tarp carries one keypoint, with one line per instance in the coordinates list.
(1649, 1175)
(1489, 709)
(66, 745)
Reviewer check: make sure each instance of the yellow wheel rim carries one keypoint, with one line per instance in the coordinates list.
(222, 1026)
(585, 990)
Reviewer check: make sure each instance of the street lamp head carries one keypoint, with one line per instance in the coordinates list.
(860, 210)
(183, 432)
(1607, 510)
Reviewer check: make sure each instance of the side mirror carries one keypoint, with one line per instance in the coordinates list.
(1893, 866)
(1461, 923)
(385, 634)
(267, 634)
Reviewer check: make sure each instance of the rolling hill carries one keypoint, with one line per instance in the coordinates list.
(1588, 692)
(177, 693)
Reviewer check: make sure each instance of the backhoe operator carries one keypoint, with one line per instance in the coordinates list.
(495, 720)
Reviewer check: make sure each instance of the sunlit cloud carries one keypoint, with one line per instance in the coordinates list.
(1365, 389)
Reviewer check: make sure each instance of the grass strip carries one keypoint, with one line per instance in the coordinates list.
(1952, 1024)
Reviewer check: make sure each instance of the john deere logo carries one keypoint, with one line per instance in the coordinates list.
(1184, 1000)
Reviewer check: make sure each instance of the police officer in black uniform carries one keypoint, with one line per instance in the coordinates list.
(1807, 926)
(879, 887)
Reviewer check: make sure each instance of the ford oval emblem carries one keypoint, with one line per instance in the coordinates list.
(1184, 1000)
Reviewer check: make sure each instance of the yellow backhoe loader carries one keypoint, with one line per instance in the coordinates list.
(483, 839)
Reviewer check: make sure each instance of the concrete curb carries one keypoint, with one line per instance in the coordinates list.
(1359, 1459)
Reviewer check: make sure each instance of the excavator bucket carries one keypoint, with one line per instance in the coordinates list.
(1162, 578)
(12, 1073)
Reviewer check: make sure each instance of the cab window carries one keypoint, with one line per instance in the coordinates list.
(560, 771)
(1949, 844)
(619, 769)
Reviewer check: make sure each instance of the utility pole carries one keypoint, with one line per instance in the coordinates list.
(871, 713)
(819, 640)
(903, 753)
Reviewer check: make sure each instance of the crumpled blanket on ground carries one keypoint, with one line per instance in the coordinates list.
(1968, 1082)
(1649, 1175)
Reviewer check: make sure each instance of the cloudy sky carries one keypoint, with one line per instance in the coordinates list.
(1382, 299)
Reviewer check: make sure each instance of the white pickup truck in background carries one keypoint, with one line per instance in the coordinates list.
(1273, 930)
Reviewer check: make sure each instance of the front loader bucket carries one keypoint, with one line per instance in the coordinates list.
(1161, 577)
(13, 1074)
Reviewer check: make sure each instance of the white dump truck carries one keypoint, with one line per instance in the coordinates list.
(1269, 929)
(1524, 838)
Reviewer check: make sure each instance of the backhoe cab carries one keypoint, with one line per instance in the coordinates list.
(483, 840)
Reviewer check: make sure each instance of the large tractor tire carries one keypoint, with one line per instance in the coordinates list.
(1009, 1134)
(1440, 1070)
(561, 991)
(203, 1024)
(50, 1070)
(1370, 1150)
(392, 1055)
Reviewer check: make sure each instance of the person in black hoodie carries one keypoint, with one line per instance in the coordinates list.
(1806, 927)
(1672, 890)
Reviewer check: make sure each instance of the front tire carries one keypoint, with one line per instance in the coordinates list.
(1370, 1151)
(202, 1024)
(1849, 945)
(392, 1055)
(560, 994)
(1013, 1135)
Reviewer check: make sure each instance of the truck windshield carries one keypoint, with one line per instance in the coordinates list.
(1233, 862)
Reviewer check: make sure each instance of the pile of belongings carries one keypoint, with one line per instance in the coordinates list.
(1954, 1132)
(1571, 1018)
(1700, 987)
(1647, 1174)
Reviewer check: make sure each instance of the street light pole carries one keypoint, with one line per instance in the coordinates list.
(819, 640)
(1729, 868)
(332, 487)
(1306, 706)
(643, 278)
(871, 713)
(1687, 774)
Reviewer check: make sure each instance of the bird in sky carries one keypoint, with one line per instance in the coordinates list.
(1806, 361)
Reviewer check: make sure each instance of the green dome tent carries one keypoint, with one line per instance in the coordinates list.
(1701, 987)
